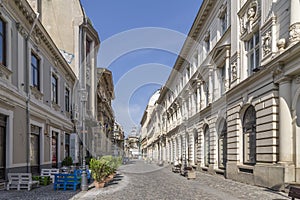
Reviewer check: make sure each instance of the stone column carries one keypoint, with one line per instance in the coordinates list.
(285, 122)
(294, 21)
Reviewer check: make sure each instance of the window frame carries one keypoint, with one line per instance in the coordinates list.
(35, 71)
(3, 38)
(54, 94)
(252, 47)
(67, 99)
(249, 136)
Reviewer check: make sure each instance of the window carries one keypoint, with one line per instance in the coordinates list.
(207, 93)
(252, 47)
(3, 128)
(206, 146)
(67, 100)
(222, 144)
(54, 89)
(223, 21)
(35, 71)
(207, 42)
(195, 146)
(222, 79)
(249, 129)
(67, 145)
(2, 42)
(35, 149)
(188, 72)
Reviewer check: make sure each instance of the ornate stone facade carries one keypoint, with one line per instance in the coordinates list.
(248, 129)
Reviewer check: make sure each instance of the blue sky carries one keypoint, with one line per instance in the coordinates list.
(140, 41)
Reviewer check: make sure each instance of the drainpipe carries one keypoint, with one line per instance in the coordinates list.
(27, 90)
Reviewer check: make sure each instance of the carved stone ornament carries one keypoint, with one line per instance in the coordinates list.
(281, 44)
(247, 20)
(267, 41)
(88, 74)
(297, 80)
(295, 32)
(234, 70)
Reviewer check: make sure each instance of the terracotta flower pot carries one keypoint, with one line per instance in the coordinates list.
(99, 184)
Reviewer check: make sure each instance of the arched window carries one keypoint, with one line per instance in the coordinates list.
(249, 130)
(206, 146)
(222, 144)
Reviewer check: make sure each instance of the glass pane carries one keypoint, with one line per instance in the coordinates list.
(257, 57)
(1, 49)
(250, 44)
(246, 148)
(34, 149)
(2, 147)
(1, 26)
(251, 61)
(256, 38)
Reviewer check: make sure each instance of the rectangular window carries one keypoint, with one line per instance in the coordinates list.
(252, 47)
(207, 46)
(67, 145)
(35, 148)
(223, 20)
(54, 89)
(222, 79)
(2, 42)
(188, 72)
(67, 100)
(35, 71)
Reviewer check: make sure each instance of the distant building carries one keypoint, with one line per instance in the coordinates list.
(231, 105)
(103, 140)
(132, 144)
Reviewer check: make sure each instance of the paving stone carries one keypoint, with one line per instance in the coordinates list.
(148, 181)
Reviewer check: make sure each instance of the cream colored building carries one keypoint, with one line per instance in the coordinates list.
(103, 142)
(36, 88)
(78, 41)
(231, 105)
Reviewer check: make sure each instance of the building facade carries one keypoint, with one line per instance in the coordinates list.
(231, 104)
(36, 86)
(105, 113)
(79, 45)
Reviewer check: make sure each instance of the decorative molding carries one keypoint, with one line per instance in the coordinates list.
(36, 93)
(249, 16)
(234, 71)
(294, 32)
(5, 73)
(281, 43)
(297, 80)
(267, 43)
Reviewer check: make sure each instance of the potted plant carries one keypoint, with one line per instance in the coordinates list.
(100, 170)
(67, 162)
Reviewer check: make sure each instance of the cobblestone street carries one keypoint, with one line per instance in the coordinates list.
(139, 180)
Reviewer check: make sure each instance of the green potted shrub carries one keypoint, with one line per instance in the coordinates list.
(100, 169)
(67, 162)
